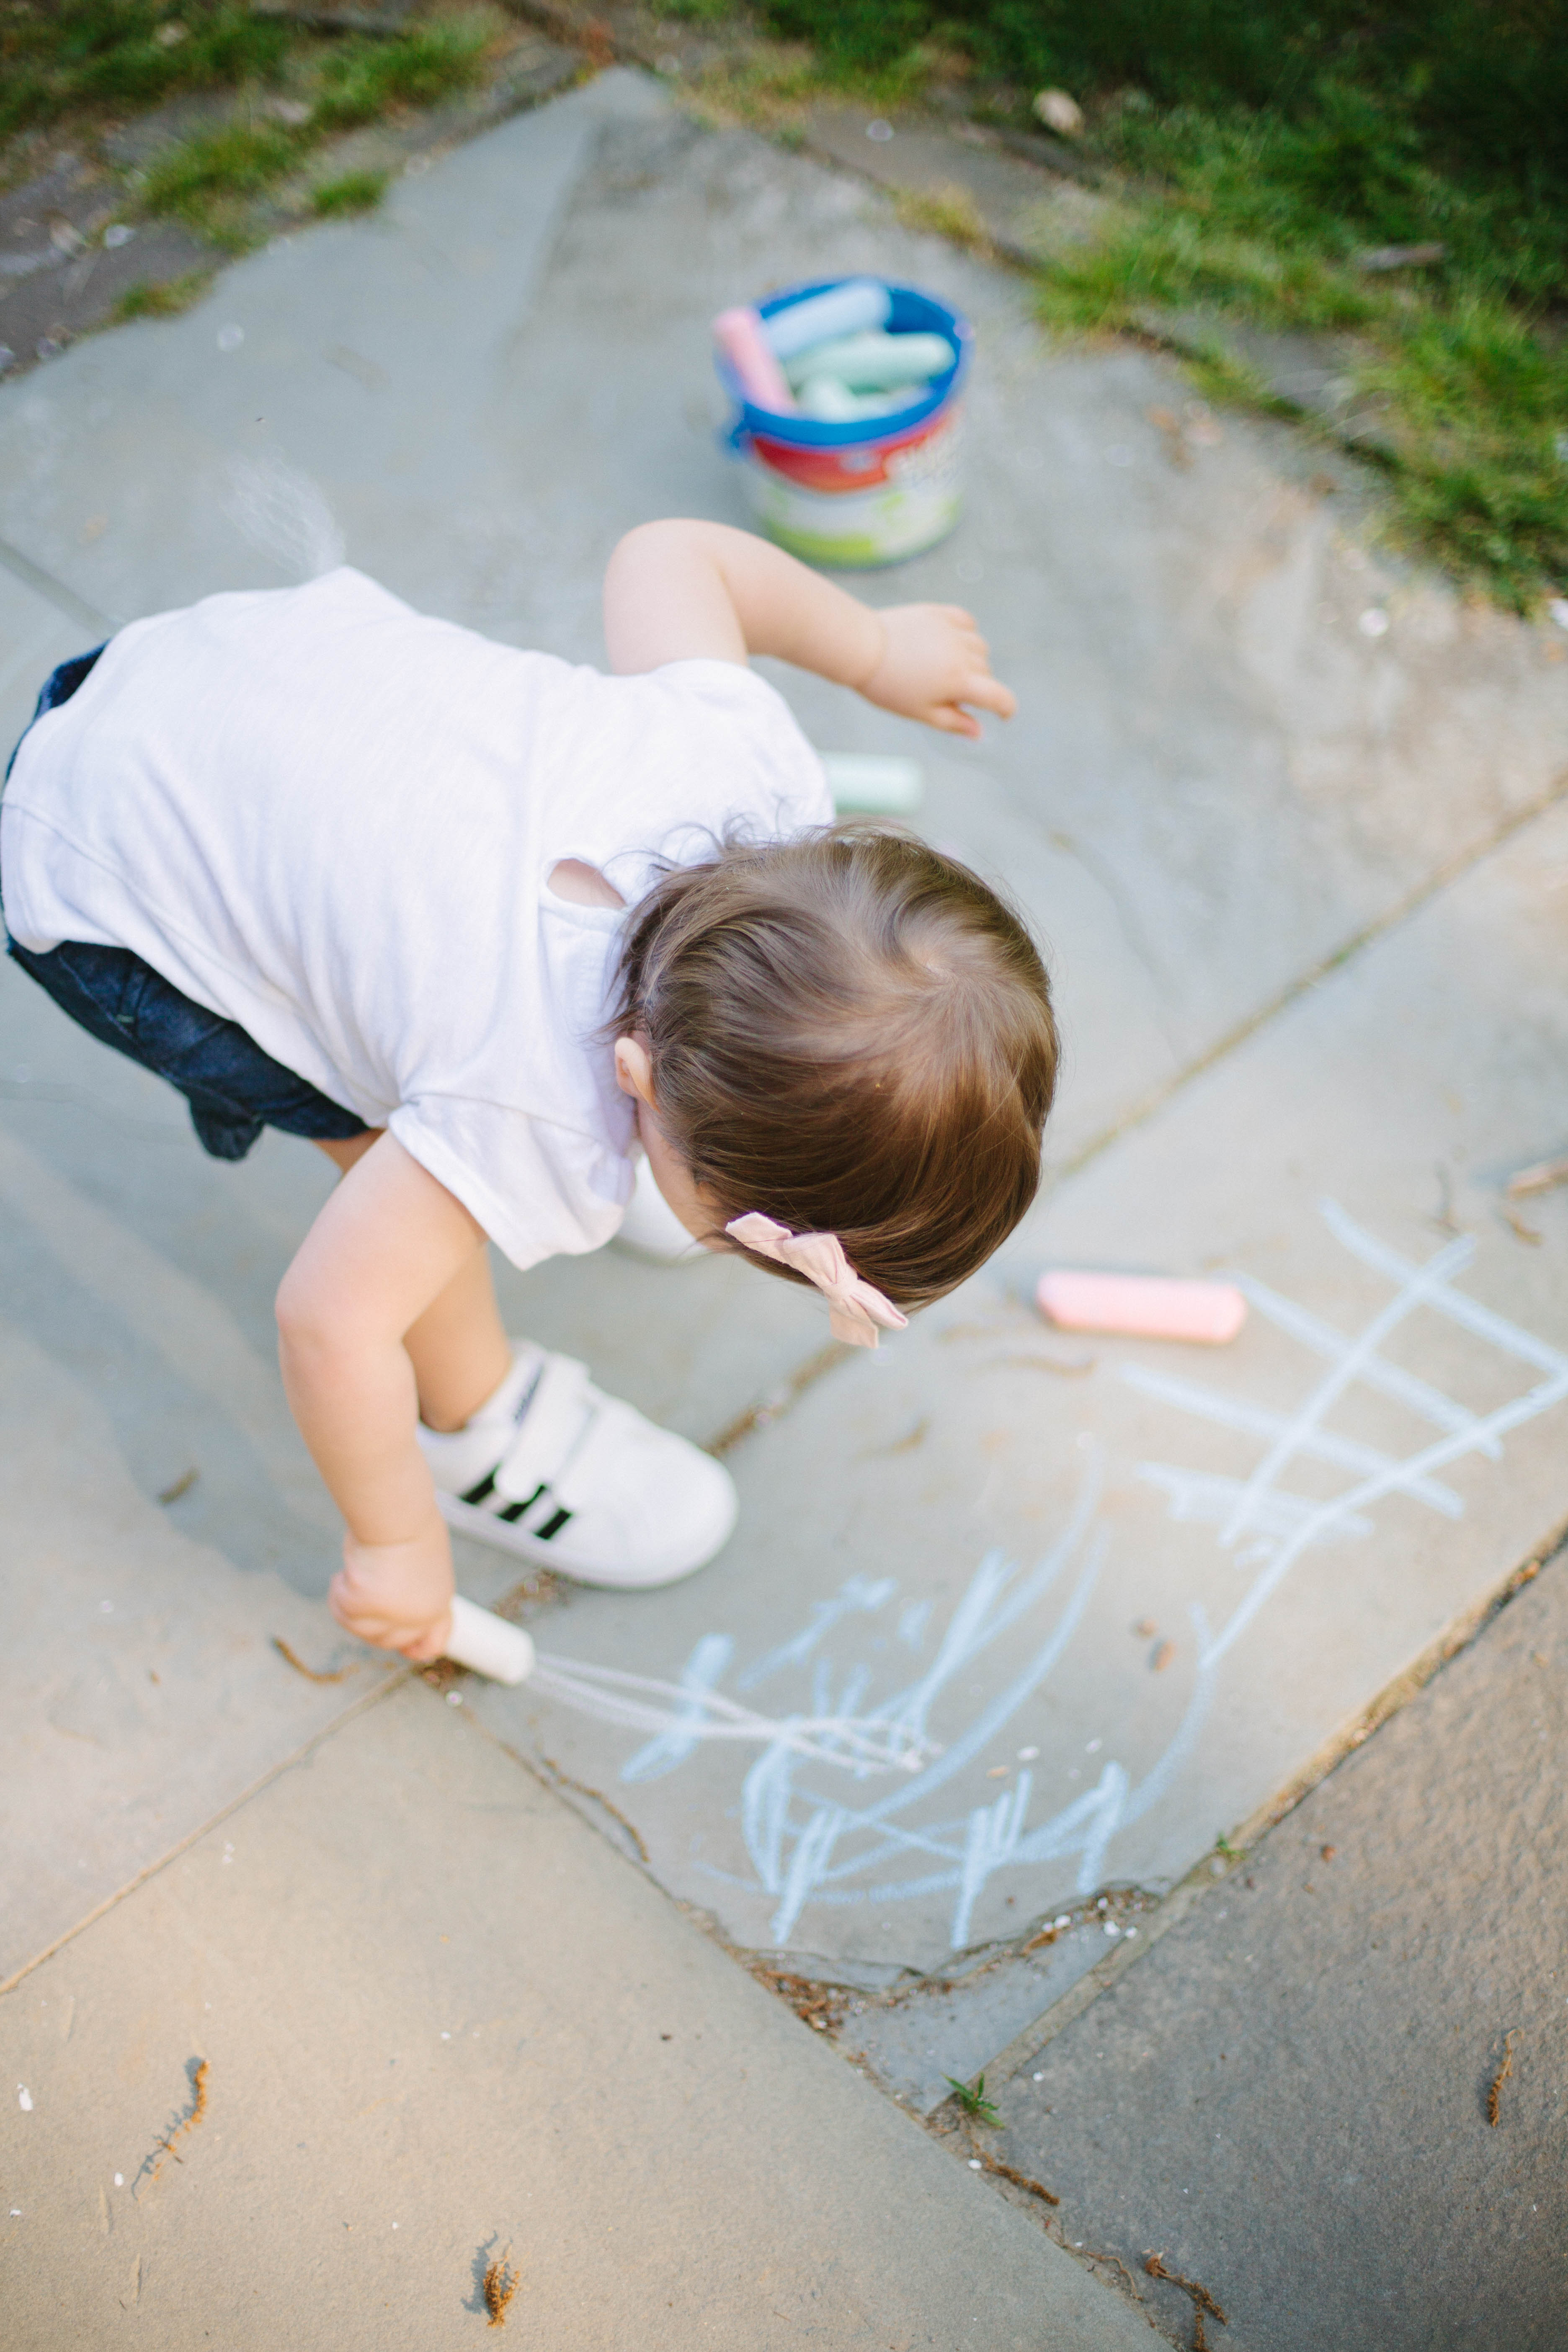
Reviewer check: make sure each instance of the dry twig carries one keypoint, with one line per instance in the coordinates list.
(990, 2163)
(1494, 2096)
(1201, 2298)
(499, 2287)
(1545, 1176)
(185, 2123)
(1089, 2256)
(291, 1659)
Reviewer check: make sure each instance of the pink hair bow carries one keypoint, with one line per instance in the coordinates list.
(855, 1307)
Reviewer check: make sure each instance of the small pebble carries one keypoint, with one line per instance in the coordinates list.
(1374, 624)
(1557, 609)
(1039, 2078)
(117, 233)
(454, 1698)
(1111, 1929)
(1328, 1853)
(120, 2181)
(975, 2165)
(23, 2098)
(1064, 1921)
(1027, 1754)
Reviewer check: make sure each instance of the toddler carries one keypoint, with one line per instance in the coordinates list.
(479, 924)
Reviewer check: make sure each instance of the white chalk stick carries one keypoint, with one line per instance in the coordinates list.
(487, 1643)
(869, 784)
(1144, 1307)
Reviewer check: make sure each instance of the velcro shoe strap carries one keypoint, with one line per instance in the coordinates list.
(552, 1426)
(600, 1462)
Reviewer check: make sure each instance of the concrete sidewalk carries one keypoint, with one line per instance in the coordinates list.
(1285, 813)
(416, 2019)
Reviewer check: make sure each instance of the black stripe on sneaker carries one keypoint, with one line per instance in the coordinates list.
(553, 1525)
(514, 1511)
(483, 1492)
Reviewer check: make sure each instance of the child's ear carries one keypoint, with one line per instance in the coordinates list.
(634, 1069)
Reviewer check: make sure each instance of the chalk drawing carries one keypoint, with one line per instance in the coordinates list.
(1283, 1525)
(811, 1841)
(284, 514)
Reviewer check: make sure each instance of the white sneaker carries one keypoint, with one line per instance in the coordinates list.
(553, 1469)
(651, 1227)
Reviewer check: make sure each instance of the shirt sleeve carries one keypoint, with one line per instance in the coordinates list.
(539, 1189)
(718, 751)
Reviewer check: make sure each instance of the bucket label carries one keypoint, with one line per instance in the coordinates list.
(906, 499)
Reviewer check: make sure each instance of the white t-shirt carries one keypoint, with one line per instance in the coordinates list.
(333, 821)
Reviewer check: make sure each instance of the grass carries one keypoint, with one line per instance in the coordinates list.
(1466, 360)
(1252, 156)
(972, 2100)
(947, 211)
(364, 80)
(59, 58)
(210, 180)
(163, 299)
(352, 191)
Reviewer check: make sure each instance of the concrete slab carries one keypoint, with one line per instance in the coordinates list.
(1217, 781)
(920, 2040)
(143, 1693)
(405, 2017)
(1012, 1617)
(1289, 2095)
(34, 635)
(1220, 780)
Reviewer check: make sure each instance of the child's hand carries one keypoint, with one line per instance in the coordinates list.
(397, 1595)
(933, 661)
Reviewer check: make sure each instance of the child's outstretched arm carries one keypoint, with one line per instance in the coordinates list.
(684, 591)
(388, 1242)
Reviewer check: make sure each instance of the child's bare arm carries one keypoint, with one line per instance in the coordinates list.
(680, 591)
(385, 1246)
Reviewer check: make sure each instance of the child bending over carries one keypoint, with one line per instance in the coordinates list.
(480, 923)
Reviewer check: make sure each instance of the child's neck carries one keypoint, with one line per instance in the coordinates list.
(583, 886)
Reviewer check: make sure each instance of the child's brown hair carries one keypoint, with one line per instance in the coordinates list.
(852, 1034)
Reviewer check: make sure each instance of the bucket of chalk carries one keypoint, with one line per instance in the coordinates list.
(848, 417)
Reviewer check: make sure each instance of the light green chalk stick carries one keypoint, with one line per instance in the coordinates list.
(872, 362)
(864, 784)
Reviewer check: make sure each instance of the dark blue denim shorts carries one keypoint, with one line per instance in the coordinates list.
(233, 1089)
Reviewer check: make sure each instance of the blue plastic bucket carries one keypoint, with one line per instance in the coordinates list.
(862, 494)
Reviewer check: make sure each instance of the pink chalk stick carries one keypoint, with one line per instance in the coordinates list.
(739, 335)
(1145, 1306)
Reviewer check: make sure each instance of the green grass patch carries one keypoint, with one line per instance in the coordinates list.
(971, 2100)
(364, 79)
(352, 191)
(1267, 218)
(242, 159)
(1252, 159)
(149, 300)
(210, 181)
(59, 58)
